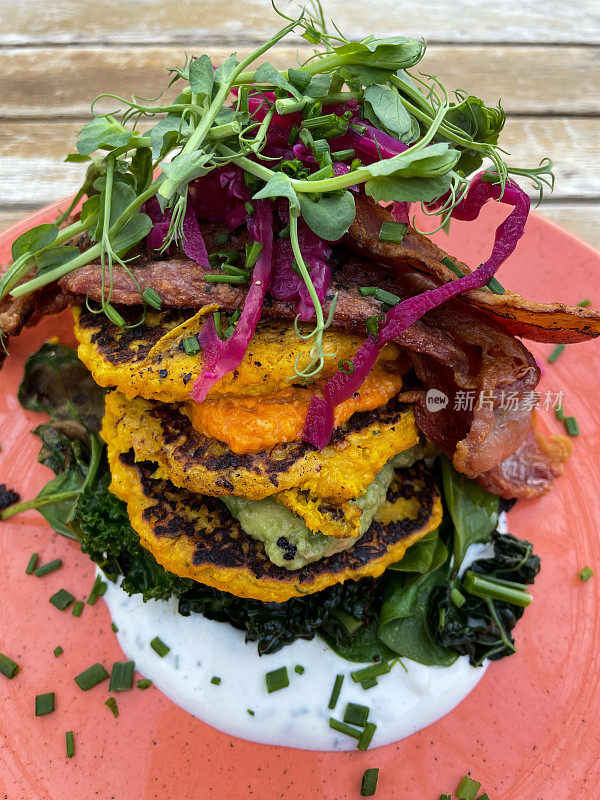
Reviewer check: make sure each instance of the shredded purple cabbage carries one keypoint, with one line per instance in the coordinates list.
(193, 242)
(320, 418)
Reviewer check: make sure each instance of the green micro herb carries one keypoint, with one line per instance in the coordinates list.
(46, 569)
(8, 667)
(277, 679)
(58, 651)
(121, 676)
(31, 563)
(91, 677)
(368, 785)
(585, 574)
(111, 703)
(335, 692)
(98, 589)
(159, 647)
(44, 704)
(70, 743)
(62, 599)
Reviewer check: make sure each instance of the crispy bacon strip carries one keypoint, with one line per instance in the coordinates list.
(541, 322)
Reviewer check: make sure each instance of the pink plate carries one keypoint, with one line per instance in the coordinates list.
(529, 729)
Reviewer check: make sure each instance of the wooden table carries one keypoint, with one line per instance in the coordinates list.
(540, 57)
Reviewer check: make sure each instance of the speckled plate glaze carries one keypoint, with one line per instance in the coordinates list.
(529, 729)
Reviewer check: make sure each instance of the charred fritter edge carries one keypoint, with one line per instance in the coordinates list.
(195, 536)
(161, 433)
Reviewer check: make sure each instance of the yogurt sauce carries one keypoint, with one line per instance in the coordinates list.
(403, 702)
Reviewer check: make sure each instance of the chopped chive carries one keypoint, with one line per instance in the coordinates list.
(343, 728)
(457, 597)
(249, 207)
(44, 704)
(368, 785)
(221, 239)
(379, 294)
(144, 683)
(299, 669)
(114, 316)
(393, 232)
(342, 155)
(31, 563)
(372, 671)
(445, 797)
(559, 412)
(252, 253)
(355, 164)
(78, 608)
(159, 646)
(224, 279)
(62, 599)
(346, 366)
(8, 667)
(114, 627)
(294, 134)
(467, 789)
(230, 269)
(489, 587)
(335, 692)
(495, 286)
(45, 569)
(98, 589)
(249, 710)
(70, 742)
(366, 736)
(372, 325)
(121, 676)
(277, 679)
(112, 704)
(191, 345)
(483, 796)
(215, 680)
(358, 128)
(152, 298)
(284, 233)
(585, 574)
(369, 683)
(91, 677)
(58, 651)
(355, 714)
(447, 262)
(571, 426)
(556, 353)
(585, 303)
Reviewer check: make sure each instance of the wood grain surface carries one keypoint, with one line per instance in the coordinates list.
(541, 58)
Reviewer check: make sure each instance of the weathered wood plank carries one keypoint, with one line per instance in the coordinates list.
(33, 170)
(152, 21)
(61, 82)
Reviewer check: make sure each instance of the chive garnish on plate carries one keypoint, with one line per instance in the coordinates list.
(215, 680)
(366, 736)
(585, 303)
(44, 704)
(372, 671)
(78, 608)
(585, 574)
(393, 232)
(58, 651)
(368, 683)
(70, 742)
(299, 669)
(112, 704)
(249, 710)
(114, 627)
(91, 677)
(144, 683)
(45, 569)
(571, 426)
(62, 599)
(159, 646)
(121, 676)
(152, 298)
(98, 589)
(467, 789)
(342, 727)
(335, 692)
(556, 353)
(31, 563)
(368, 785)
(559, 413)
(8, 667)
(355, 714)
(277, 679)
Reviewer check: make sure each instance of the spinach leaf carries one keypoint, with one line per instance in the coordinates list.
(404, 619)
(474, 511)
(364, 645)
(424, 556)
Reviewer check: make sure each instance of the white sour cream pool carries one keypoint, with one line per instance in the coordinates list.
(403, 702)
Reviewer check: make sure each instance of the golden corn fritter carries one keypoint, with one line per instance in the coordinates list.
(342, 471)
(194, 536)
(149, 360)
